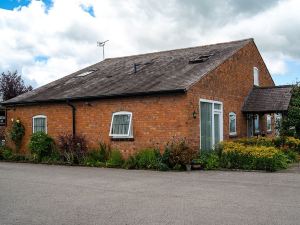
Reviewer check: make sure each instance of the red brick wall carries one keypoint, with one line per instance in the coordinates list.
(230, 83)
(156, 119)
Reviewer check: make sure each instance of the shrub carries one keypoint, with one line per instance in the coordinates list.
(130, 163)
(115, 159)
(72, 148)
(259, 141)
(16, 133)
(209, 160)
(240, 156)
(181, 153)
(41, 145)
(148, 159)
(293, 143)
(98, 157)
(6, 153)
(291, 155)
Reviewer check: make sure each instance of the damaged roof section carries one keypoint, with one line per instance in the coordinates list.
(158, 72)
(268, 99)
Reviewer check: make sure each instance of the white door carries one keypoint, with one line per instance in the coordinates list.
(211, 123)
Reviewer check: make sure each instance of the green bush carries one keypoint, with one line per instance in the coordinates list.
(147, 159)
(210, 160)
(130, 163)
(6, 153)
(115, 159)
(291, 155)
(41, 145)
(98, 157)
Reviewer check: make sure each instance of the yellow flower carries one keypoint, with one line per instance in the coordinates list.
(18, 121)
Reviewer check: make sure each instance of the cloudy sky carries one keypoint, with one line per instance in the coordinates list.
(45, 40)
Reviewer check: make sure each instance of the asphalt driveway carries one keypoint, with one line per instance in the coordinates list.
(42, 194)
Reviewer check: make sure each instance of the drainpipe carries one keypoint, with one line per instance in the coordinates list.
(73, 117)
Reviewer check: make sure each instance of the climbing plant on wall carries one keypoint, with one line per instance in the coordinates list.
(16, 133)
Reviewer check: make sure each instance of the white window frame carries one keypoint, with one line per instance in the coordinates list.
(278, 121)
(39, 117)
(256, 131)
(130, 130)
(235, 132)
(255, 76)
(269, 120)
(214, 111)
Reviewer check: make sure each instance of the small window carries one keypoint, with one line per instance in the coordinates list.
(269, 123)
(256, 76)
(121, 125)
(256, 123)
(39, 124)
(232, 123)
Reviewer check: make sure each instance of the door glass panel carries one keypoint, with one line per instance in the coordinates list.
(217, 128)
(206, 125)
(217, 106)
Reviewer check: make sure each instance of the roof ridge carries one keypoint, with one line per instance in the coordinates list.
(277, 86)
(186, 48)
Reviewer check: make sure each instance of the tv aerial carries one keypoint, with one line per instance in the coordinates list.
(102, 45)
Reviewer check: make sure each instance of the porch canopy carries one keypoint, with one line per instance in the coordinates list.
(263, 100)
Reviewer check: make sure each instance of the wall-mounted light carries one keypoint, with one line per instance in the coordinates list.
(194, 115)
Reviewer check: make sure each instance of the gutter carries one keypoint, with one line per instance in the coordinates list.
(87, 98)
(73, 117)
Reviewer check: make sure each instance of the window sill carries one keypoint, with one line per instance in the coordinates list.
(233, 135)
(121, 139)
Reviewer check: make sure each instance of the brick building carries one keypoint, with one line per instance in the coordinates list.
(205, 94)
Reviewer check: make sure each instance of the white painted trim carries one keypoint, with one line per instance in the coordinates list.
(214, 111)
(256, 131)
(269, 117)
(40, 116)
(235, 132)
(255, 79)
(130, 131)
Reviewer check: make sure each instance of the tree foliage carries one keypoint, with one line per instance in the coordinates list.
(12, 85)
(291, 121)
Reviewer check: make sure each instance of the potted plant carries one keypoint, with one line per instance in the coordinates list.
(197, 164)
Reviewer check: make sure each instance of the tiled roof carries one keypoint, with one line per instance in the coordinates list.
(268, 99)
(159, 72)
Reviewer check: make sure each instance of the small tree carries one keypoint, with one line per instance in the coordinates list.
(291, 121)
(12, 85)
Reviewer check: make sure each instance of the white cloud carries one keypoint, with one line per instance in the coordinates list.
(67, 34)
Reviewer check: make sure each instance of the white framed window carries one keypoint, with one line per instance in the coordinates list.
(121, 125)
(256, 123)
(269, 123)
(256, 76)
(232, 123)
(211, 123)
(39, 124)
(278, 120)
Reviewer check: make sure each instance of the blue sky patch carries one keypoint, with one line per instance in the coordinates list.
(88, 9)
(41, 58)
(12, 4)
(291, 76)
